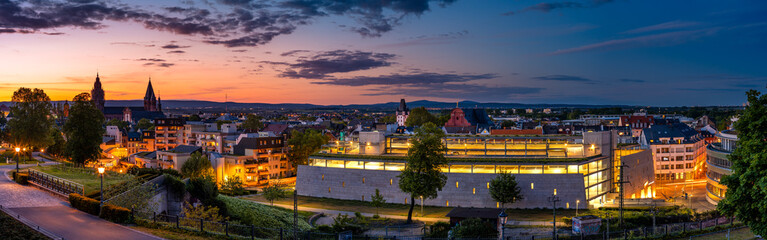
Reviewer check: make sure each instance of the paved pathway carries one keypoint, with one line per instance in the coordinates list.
(55, 215)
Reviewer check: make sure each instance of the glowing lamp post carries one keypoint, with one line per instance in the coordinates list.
(17, 159)
(101, 173)
(502, 222)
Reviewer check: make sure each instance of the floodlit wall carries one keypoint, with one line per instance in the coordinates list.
(461, 190)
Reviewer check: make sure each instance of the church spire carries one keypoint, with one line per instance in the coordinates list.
(150, 100)
(97, 93)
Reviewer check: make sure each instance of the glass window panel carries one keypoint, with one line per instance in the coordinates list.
(572, 169)
(514, 169)
(374, 165)
(530, 169)
(391, 166)
(354, 164)
(460, 168)
(484, 168)
(336, 163)
(555, 169)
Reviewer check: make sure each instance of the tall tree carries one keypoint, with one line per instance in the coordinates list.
(274, 191)
(747, 186)
(59, 145)
(31, 120)
(83, 129)
(144, 124)
(252, 122)
(303, 144)
(197, 166)
(504, 189)
(419, 116)
(122, 125)
(422, 175)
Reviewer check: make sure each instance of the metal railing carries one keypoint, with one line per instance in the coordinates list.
(54, 183)
(229, 229)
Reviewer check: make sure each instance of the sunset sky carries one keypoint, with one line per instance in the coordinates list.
(638, 52)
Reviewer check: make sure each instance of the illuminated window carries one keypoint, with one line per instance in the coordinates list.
(363, 180)
(555, 192)
(488, 185)
(343, 184)
(323, 177)
(456, 184)
(473, 191)
(447, 203)
(567, 204)
(328, 190)
(497, 204)
(532, 185)
(391, 181)
(363, 198)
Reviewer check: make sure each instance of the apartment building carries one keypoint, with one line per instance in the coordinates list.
(168, 133)
(679, 152)
(255, 159)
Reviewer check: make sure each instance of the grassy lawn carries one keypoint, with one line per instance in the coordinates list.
(90, 180)
(12, 229)
(173, 235)
(2, 162)
(402, 209)
(739, 234)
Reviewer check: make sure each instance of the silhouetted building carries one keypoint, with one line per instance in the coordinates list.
(97, 94)
(402, 113)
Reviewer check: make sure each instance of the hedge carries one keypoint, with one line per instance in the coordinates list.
(115, 214)
(21, 177)
(85, 204)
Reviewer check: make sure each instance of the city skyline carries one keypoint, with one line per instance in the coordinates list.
(324, 52)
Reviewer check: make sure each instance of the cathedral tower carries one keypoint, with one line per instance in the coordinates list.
(150, 100)
(97, 94)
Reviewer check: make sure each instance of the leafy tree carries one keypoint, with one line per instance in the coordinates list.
(203, 212)
(303, 144)
(442, 119)
(205, 189)
(377, 200)
(422, 175)
(389, 118)
(122, 125)
(31, 120)
(144, 124)
(221, 122)
(194, 117)
(232, 186)
(419, 116)
(746, 186)
(508, 124)
(504, 189)
(474, 228)
(197, 166)
(438, 230)
(306, 118)
(252, 122)
(59, 145)
(274, 191)
(84, 129)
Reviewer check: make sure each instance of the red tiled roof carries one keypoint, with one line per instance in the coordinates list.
(516, 132)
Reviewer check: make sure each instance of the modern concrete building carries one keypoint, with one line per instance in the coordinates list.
(578, 169)
(679, 152)
(717, 154)
(168, 132)
(176, 157)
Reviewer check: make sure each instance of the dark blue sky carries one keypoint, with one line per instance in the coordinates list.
(660, 53)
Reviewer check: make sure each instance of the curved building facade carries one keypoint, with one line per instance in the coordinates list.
(719, 164)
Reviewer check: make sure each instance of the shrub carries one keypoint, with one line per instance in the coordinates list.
(171, 172)
(344, 223)
(21, 178)
(438, 230)
(204, 189)
(115, 214)
(95, 194)
(85, 204)
(474, 228)
(233, 186)
(174, 184)
(261, 215)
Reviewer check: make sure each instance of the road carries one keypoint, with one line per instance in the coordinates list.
(55, 215)
(696, 189)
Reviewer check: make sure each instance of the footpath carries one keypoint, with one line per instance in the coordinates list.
(54, 216)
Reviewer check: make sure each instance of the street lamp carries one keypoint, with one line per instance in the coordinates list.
(17, 160)
(101, 173)
(577, 201)
(554, 199)
(502, 221)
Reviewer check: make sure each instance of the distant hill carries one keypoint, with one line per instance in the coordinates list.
(195, 104)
